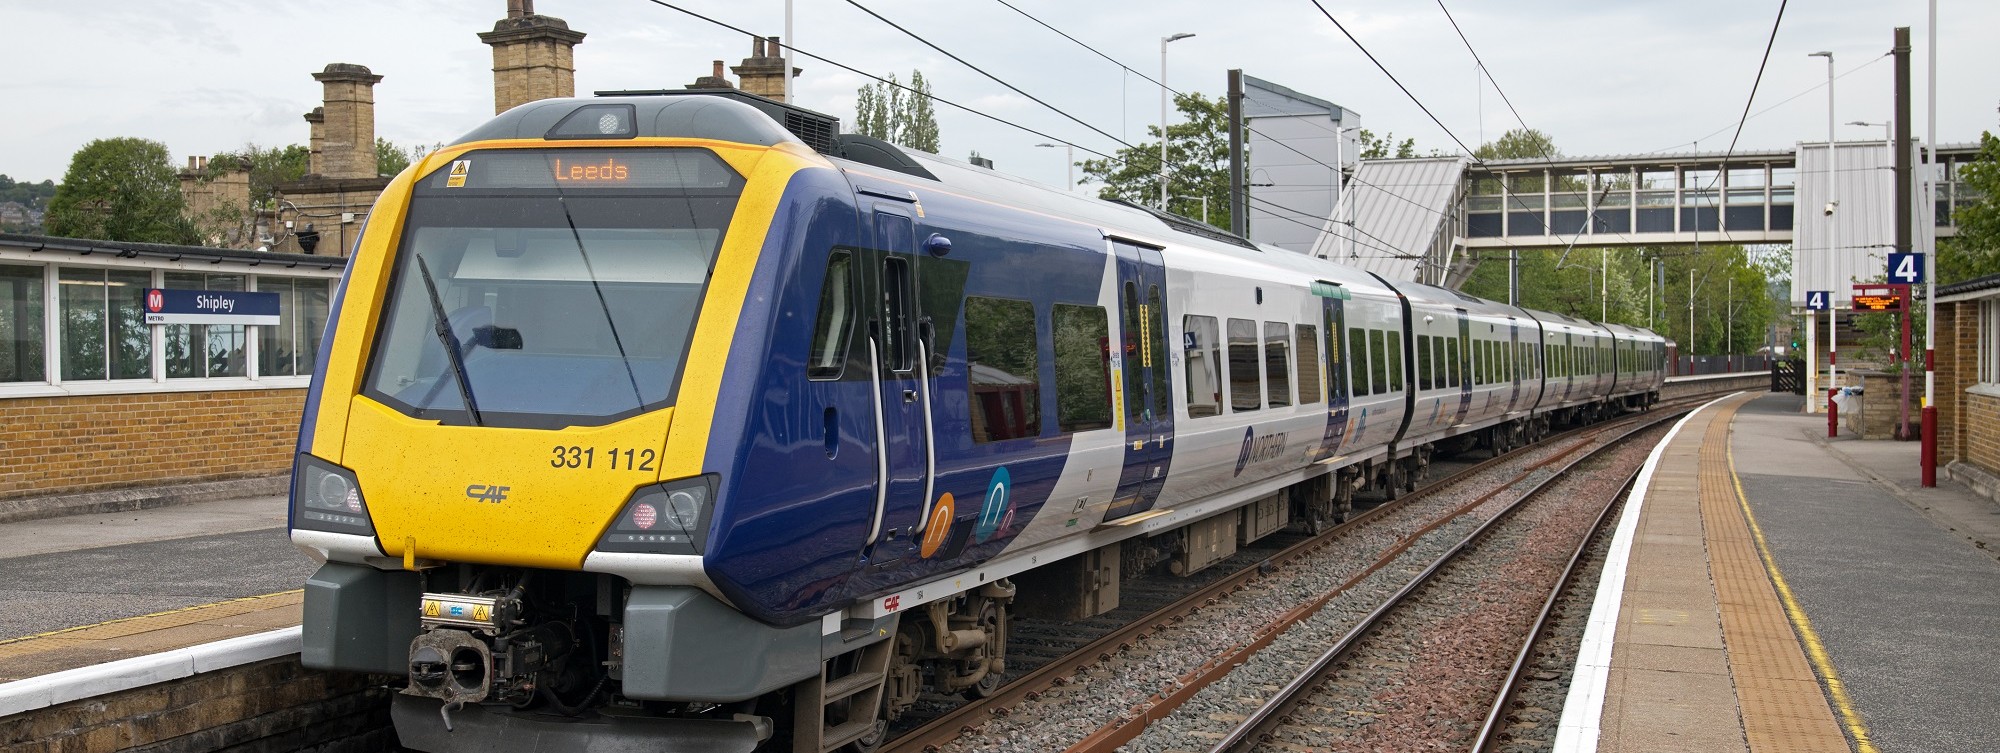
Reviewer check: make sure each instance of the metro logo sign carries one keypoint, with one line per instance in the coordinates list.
(155, 300)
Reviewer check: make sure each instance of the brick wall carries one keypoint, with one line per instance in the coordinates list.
(1982, 431)
(274, 705)
(65, 445)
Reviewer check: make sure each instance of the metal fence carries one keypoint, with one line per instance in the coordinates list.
(1699, 365)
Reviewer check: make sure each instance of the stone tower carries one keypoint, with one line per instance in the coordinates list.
(763, 73)
(714, 80)
(531, 57)
(315, 163)
(348, 121)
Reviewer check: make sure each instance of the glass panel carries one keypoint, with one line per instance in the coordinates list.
(1132, 329)
(900, 327)
(1783, 176)
(81, 296)
(1484, 203)
(1570, 200)
(1746, 177)
(22, 351)
(1278, 364)
(1378, 359)
(1615, 199)
(1743, 197)
(1486, 185)
(204, 350)
(1308, 364)
(1243, 366)
(1529, 183)
(276, 343)
(313, 302)
(1423, 362)
(1083, 367)
(1700, 179)
(835, 320)
(1357, 354)
(1156, 355)
(131, 338)
(1657, 179)
(1001, 363)
(1394, 341)
(1204, 367)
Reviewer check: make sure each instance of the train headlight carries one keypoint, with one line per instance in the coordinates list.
(668, 518)
(327, 497)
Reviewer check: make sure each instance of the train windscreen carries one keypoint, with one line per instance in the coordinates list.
(550, 288)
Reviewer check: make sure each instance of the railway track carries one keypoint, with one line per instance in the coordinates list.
(1121, 677)
(1418, 672)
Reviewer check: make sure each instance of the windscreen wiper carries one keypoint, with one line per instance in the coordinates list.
(450, 341)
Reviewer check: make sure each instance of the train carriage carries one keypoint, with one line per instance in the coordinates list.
(684, 422)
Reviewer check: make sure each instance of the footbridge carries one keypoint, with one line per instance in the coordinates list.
(1430, 219)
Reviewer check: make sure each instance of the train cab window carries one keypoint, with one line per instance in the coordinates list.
(1204, 366)
(1002, 369)
(1378, 360)
(836, 318)
(1309, 373)
(1277, 364)
(1357, 358)
(1082, 338)
(1243, 367)
(1424, 381)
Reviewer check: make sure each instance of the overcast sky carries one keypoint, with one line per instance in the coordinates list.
(1600, 77)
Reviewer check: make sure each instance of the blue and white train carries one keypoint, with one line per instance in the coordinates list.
(682, 422)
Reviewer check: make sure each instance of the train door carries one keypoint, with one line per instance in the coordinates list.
(1146, 377)
(1462, 366)
(901, 342)
(1334, 319)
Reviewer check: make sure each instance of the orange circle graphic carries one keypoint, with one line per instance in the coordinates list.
(940, 525)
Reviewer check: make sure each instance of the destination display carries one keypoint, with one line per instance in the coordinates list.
(1880, 298)
(584, 168)
(168, 306)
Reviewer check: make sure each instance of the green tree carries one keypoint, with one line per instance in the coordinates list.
(1519, 143)
(887, 112)
(391, 160)
(1976, 250)
(121, 189)
(1373, 147)
(1197, 159)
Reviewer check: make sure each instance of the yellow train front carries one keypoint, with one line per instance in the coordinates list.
(506, 462)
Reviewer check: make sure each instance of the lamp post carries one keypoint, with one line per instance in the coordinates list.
(1888, 133)
(1163, 115)
(1069, 183)
(1833, 247)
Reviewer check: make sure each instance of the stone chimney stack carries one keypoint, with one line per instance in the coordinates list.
(316, 159)
(532, 57)
(348, 121)
(763, 73)
(714, 80)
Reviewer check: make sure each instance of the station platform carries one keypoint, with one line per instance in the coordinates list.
(83, 590)
(1776, 590)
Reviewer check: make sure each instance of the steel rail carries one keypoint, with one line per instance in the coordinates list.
(1254, 726)
(1511, 686)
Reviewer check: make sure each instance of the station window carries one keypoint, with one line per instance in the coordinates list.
(1083, 367)
(833, 328)
(1243, 384)
(1204, 366)
(22, 350)
(1277, 364)
(104, 332)
(1308, 364)
(291, 348)
(1003, 368)
(205, 350)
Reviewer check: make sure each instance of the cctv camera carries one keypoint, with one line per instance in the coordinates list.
(1828, 211)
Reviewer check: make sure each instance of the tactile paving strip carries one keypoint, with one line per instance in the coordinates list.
(1783, 705)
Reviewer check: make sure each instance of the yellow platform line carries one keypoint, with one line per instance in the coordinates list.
(182, 610)
(1850, 718)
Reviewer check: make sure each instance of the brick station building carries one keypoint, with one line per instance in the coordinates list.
(1968, 382)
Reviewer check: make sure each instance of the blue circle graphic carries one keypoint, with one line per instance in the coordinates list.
(994, 511)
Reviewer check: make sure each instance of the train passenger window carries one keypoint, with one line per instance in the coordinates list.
(1378, 359)
(1308, 364)
(1002, 367)
(1082, 337)
(1438, 363)
(1394, 347)
(1357, 356)
(1243, 382)
(1277, 364)
(836, 318)
(1156, 354)
(899, 328)
(1204, 366)
(1131, 328)
(1451, 360)
(1424, 380)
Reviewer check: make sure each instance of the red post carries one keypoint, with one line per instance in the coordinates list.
(1832, 414)
(1927, 450)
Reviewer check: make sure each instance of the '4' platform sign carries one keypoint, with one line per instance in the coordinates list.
(1818, 300)
(1906, 269)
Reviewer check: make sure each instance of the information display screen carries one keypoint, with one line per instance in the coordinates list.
(661, 168)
